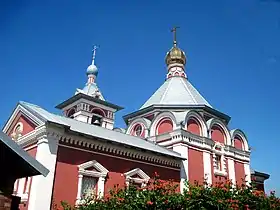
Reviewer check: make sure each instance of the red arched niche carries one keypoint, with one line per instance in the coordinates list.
(193, 126)
(238, 143)
(138, 130)
(164, 126)
(217, 134)
(98, 111)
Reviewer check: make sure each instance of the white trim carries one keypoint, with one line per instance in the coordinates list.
(26, 113)
(219, 149)
(247, 173)
(241, 134)
(158, 118)
(46, 154)
(143, 180)
(231, 171)
(213, 121)
(201, 121)
(101, 173)
(184, 170)
(207, 167)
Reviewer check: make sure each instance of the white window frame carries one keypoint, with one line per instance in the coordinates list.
(100, 173)
(219, 149)
(143, 180)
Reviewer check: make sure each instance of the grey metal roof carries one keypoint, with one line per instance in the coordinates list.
(91, 89)
(16, 149)
(176, 91)
(99, 132)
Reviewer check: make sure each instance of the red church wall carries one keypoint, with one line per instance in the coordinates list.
(193, 126)
(239, 172)
(66, 175)
(28, 126)
(164, 126)
(196, 170)
(238, 143)
(217, 134)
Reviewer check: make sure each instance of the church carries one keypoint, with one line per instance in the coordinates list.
(176, 133)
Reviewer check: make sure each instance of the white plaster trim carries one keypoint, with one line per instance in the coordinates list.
(214, 121)
(101, 173)
(231, 171)
(146, 123)
(158, 118)
(46, 154)
(144, 178)
(241, 134)
(26, 113)
(198, 117)
(207, 167)
(184, 169)
(202, 144)
(247, 173)
(131, 128)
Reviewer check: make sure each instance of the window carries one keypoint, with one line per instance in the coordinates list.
(91, 180)
(138, 130)
(88, 186)
(218, 162)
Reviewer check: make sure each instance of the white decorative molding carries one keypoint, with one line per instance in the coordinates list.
(241, 134)
(17, 131)
(201, 143)
(143, 180)
(231, 171)
(26, 113)
(158, 118)
(100, 173)
(193, 114)
(207, 167)
(184, 169)
(219, 150)
(214, 121)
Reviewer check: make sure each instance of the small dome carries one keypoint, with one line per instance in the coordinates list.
(175, 55)
(92, 69)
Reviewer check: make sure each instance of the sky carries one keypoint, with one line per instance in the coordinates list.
(233, 50)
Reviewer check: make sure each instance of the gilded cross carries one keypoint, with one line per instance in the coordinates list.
(174, 30)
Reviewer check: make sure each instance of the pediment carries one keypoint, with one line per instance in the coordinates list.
(92, 168)
(21, 122)
(137, 174)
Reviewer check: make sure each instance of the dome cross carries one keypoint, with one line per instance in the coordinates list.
(174, 31)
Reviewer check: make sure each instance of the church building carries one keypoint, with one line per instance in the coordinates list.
(176, 133)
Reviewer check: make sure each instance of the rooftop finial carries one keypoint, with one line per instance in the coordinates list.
(174, 30)
(93, 53)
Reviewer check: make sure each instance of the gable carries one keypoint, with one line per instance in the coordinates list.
(21, 122)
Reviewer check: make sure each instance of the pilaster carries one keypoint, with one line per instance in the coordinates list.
(207, 167)
(42, 187)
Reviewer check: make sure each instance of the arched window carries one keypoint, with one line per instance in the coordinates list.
(217, 134)
(71, 113)
(238, 143)
(164, 126)
(193, 126)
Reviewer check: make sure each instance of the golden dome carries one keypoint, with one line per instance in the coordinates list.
(175, 55)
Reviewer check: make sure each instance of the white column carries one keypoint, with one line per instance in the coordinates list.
(184, 172)
(247, 173)
(41, 188)
(100, 186)
(207, 167)
(79, 191)
(21, 186)
(231, 171)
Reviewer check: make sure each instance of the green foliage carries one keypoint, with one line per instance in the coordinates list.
(164, 195)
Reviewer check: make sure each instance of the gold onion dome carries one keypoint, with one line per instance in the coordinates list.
(175, 54)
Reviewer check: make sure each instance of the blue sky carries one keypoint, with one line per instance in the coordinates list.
(233, 50)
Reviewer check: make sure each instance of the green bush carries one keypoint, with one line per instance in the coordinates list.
(164, 195)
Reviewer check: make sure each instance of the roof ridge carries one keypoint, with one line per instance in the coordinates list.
(185, 85)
